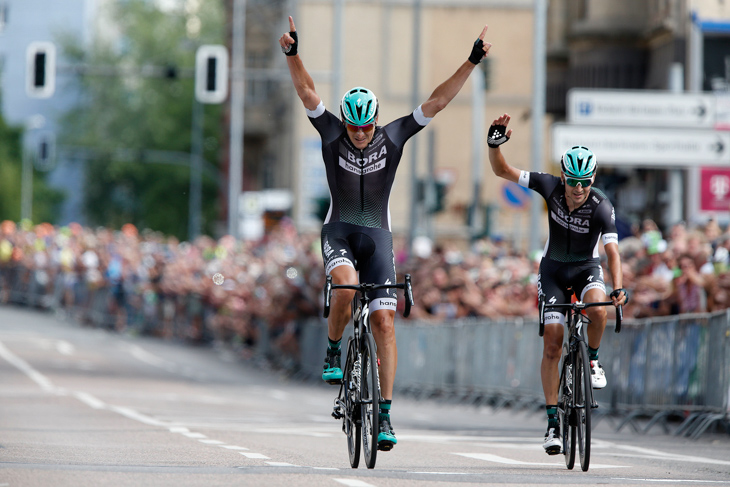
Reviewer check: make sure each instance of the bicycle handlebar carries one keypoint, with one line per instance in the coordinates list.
(367, 287)
(577, 306)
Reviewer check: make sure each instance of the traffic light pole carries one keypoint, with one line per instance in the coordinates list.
(196, 172)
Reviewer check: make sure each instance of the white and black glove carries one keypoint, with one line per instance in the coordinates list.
(497, 135)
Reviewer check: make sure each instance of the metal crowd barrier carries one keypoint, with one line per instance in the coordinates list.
(660, 370)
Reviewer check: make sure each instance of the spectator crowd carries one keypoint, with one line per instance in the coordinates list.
(232, 290)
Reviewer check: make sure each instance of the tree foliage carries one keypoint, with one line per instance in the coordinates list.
(46, 200)
(136, 89)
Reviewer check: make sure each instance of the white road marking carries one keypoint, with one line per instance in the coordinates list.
(65, 348)
(90, 400)
(281, 464)
(254, 455)
(233, 447)
(278, 394)
(211, 442)
(671, 456)
(671, 481)
(508, 461)
(23, 366)
(144, 356)
(353, 482)
(325, 468)
(192, 434)
(142, 418)
(441, 473)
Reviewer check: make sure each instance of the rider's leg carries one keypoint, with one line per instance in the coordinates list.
(597, 315)
(382, 322)
(594, 332)
(337, 321)
(340, 306)
(552, 350)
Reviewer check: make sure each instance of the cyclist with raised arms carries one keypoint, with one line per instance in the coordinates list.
(579, 216)
(361, 159)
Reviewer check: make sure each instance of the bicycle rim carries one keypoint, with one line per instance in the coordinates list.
(350, 421)
(370, 401)
(567, 431)
(584, 387)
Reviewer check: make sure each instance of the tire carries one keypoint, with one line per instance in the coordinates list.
(351, 419)
(565, 409)
(583, 396)
(370, 400)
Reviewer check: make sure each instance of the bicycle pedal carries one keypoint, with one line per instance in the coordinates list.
(553, 450)
(385, 445)
(594, 405)
(337, 414)
(334, 382)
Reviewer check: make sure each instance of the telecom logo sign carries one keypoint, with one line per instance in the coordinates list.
(715, 190)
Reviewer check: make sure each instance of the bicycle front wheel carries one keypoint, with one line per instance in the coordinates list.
(351, 420)
(370, 397)
(583, 400)
(565, 409)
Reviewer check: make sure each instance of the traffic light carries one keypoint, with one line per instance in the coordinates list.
(40, 75)
(45, 151)
(211, 74)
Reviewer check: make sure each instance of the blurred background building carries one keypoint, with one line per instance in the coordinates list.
(659, 53)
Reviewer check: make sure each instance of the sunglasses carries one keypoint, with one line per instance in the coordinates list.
(364, 128)
(575, 182)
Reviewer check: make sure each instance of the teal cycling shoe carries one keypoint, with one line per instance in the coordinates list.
(332, 373)
(386, 437)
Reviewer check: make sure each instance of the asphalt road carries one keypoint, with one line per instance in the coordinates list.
(80, 406)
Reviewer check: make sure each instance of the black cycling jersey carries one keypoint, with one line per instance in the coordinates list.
(360, 181)
(573, 235)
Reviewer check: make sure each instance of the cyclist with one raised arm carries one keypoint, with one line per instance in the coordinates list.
(579, 216)
(361, 159)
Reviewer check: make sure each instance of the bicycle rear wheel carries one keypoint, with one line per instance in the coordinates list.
(583, 402)
(351, 419)
(370, 397)
(565, 410)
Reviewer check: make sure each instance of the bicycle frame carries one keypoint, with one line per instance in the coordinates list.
(575, 394)
(360, 387)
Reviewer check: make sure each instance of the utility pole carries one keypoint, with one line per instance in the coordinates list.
(196, 172)
(413, 227)
(235, 152)
(538, 113)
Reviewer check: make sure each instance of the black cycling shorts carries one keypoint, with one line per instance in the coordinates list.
(369, 251)
(557, 281)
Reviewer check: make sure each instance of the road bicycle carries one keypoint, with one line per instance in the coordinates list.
(575, 394)
(358, 401)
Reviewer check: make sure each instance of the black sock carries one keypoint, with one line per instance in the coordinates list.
(592, 353)
(334, 346)
(385, 407)
(552, 414)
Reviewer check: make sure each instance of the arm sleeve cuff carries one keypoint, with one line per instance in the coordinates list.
(524, 179)
(610, 238)
(317, 111)
(420, 117)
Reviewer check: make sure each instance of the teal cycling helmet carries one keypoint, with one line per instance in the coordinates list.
(359, 106)
(578, 162)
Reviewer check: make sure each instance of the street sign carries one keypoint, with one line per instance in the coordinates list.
(645, 147)
(715, 189)
(642, 108)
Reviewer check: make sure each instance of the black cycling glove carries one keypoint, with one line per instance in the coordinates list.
(292, 49)
(497, 135)
(615, 293)
(477, 52)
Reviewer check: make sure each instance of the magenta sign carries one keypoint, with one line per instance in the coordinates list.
(715, 189)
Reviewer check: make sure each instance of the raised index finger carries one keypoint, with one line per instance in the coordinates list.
(291, 25)
(481, 36)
